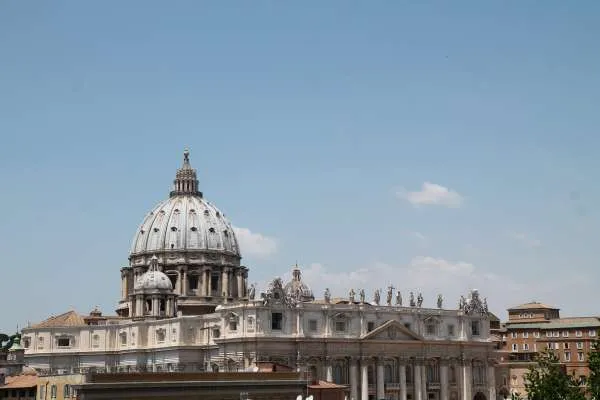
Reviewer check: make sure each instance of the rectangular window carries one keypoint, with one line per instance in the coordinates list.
(592, 332)
(565, 334)
(475, 328)
(536, 334)
(513, 335)
(525, 335)
(556, 334)
(567, 356)
(63, 342)
(312, 325)
(549, 345)
(340, 326)
(535, 347)
(370, 326)
(233, 325)
(525, 346)
(556, 346)
(450, 330)
(566, 345)
(430, 329)
(276, 321)
(214, 284)
(548, 334)
(53, 391)
(515, 347)
(578, 333)
(579, 345)
(580, 356)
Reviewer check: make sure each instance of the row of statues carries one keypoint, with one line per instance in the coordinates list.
(418, 302)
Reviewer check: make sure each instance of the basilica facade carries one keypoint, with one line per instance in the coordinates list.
(186, 306)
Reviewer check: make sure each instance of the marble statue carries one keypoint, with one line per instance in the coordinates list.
(399, 298)
(440, 301)
(390, 294)
(377, 297)
(419, 300)
(352, 293)
(412, 299)
(327, 295)
(252, 292)
(362, 295)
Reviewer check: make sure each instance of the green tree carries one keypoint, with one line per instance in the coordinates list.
(548, 380)
(593, 381)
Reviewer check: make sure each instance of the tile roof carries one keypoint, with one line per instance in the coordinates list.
(70, 318)
(20, 382)
(532, 305)
(559, 323)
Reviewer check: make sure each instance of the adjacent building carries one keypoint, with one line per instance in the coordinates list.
(186, 306)
(533, 327)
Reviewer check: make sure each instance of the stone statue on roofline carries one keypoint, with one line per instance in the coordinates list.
(351, 296)
(327, 295)
(252, 292)
(440, 301)
(390, 295)
(399, 298)
(377, 297)
(362, 295)
(412, 299)
(419, 300)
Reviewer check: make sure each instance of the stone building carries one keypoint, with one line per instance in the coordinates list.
(533, 327)
(186, 306)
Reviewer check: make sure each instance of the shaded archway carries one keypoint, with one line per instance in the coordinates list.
(479, 396)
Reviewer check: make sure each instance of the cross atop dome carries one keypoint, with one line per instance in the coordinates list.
(186, 181)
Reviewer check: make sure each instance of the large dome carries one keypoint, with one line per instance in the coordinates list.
(185, 221)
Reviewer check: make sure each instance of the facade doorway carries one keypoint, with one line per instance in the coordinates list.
(480, 396)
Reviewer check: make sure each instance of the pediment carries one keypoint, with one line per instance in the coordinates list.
(391, 330)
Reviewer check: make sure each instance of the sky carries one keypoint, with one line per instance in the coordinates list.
(437, 147)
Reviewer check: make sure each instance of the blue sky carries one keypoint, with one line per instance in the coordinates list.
(433, 146)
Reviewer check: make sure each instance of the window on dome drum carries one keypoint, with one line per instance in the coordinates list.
(276, 321)
(312, 325)
(214, 284)
(475, 328)
(340, 326)
(370, 326)
(193, 284)
(63, 342)
(162, 307)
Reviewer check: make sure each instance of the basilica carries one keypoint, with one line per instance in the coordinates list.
(185, 305)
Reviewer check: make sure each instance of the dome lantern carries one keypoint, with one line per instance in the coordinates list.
(186, 180)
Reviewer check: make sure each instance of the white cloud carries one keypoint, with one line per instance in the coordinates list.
(255, 244)
(525, 239)
(418, 235)
(432, 194)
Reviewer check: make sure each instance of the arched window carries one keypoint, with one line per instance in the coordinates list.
(388, 375)
(66, 391)
(409, 374)
(337, 374)
(313, 373)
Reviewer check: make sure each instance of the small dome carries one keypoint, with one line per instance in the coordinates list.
(153, 279)
(298, 289)
(27, 370)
